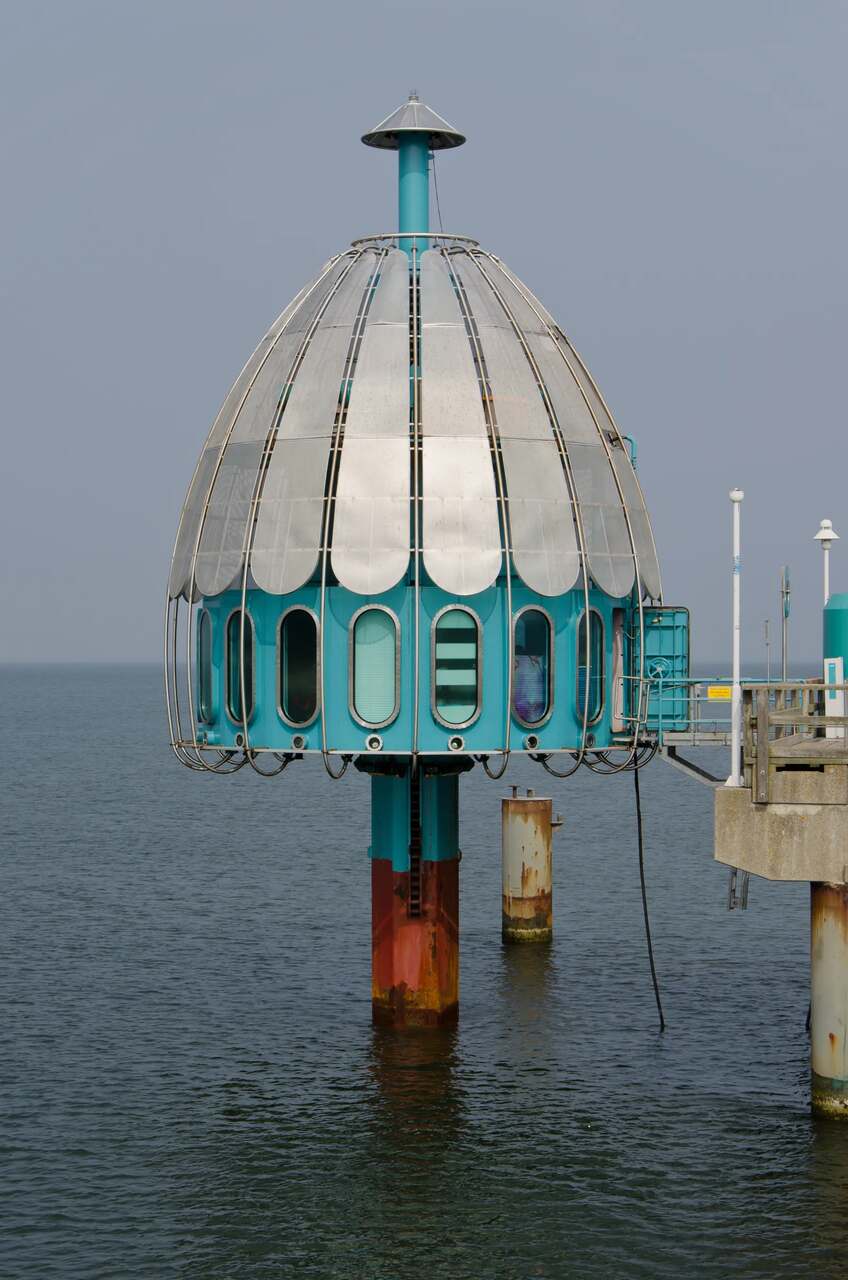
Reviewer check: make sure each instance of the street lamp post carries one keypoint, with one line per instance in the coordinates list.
(826, 535)
(735, 779)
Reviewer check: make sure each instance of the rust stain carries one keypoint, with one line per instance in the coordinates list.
(531, 915)
(415, 960)
(828, 905)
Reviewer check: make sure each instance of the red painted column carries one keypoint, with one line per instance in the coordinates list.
(414, 903)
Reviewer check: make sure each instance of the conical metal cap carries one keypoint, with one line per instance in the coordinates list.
(413, 117)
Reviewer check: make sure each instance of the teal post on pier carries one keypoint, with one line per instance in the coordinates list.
(413, 187)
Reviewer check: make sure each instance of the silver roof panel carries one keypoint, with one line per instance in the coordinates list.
(321, 414)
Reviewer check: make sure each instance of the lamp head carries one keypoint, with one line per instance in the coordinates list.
(826, 534)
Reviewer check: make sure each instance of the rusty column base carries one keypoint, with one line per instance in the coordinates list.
(415, 958)
(829, 1097)
(535, 927)
(829, 999)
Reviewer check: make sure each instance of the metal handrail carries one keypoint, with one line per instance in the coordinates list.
(412, 235)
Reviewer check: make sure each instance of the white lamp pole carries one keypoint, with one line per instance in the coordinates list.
(735, 779)
(826, 535)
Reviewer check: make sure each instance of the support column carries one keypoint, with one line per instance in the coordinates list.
(829, 998)
(413, 187)
(526, 840)
(414, 899)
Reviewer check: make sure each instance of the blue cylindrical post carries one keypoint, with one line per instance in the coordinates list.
(413, 186)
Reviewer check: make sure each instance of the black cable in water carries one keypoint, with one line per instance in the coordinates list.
(645, 901)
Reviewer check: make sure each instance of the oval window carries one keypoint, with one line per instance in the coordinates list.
(456, 667)
(531, 667)
(594, 673)
(204, 667)
(375, 675)
(234, 666)
(298, 666)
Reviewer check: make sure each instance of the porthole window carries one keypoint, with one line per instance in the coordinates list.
(374, 666)
(595, 672)
(532, 681)
(455, 674)
(234, 665)
(205, 706)
(297, 667)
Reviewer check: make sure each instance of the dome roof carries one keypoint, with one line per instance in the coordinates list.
(318, 436)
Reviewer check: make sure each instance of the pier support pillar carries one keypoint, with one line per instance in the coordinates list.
(829, 998)
(414, 899)
(526, 840)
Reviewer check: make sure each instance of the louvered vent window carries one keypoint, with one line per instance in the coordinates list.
(456, 667)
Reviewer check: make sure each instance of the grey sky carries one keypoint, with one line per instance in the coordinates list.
(670, 178)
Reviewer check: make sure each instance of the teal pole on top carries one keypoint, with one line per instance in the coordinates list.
(414, 130)
(413, 186)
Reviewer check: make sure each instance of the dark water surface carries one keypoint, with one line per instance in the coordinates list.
(192, 1087)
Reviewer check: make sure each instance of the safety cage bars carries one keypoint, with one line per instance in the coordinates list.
(499, 280)
(374, 673)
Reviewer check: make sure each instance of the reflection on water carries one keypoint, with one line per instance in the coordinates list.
(527, 970)
(827, 1177)
(414, 1074)
(195, 1089)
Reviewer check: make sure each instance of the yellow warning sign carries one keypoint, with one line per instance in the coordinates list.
(721, 692)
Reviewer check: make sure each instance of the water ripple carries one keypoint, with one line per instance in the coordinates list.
(192, 1088)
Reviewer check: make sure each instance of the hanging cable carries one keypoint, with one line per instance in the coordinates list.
(555, 773)
(345, 762)
(436, 190)
(645, 901)
(484, 760)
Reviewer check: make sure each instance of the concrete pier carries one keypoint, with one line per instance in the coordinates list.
(790, 822)
(829, 998)
(527, 886)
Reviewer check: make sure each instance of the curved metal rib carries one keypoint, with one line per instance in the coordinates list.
(638, 720)
(370, 551)
(497, 463)
(565, 462)
(330, 487)
(542, 533)
(460, 533)
(287, 540)
(248, 522)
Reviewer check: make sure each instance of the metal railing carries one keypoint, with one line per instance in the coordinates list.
(691, 711)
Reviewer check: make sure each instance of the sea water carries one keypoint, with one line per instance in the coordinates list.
(191, 1086)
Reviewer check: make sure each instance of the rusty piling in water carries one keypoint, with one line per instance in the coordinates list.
(527, 889)
(829, 998)
(415, 898)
